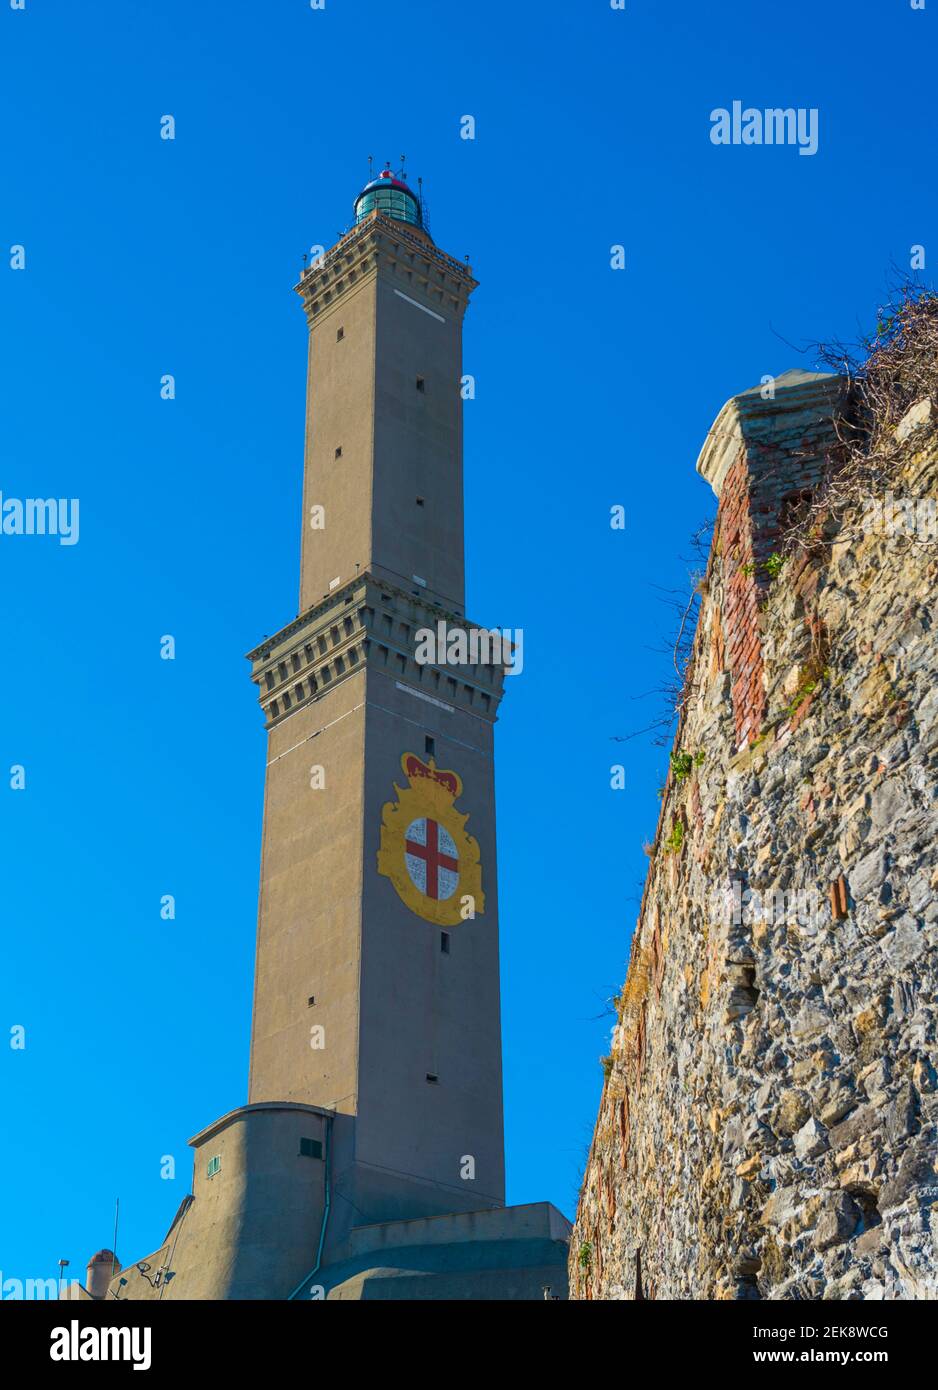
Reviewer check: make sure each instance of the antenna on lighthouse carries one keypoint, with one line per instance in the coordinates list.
(371, 167)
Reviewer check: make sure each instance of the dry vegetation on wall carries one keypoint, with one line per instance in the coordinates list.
(888, 373)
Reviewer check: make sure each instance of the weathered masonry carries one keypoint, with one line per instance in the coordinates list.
(767, 1127)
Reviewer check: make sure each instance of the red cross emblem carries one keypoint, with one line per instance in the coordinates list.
(432, 858)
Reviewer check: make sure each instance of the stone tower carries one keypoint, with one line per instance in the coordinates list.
(369, 1162)
(376, 990)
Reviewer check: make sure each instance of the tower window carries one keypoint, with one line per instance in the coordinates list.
(421, 384)
(444, 942)
(338, 452)
(429, 745)
(419, 501)
(339, 334)
(433, 1079)
(214, 1164)
(311, 1001)
(310, 1148)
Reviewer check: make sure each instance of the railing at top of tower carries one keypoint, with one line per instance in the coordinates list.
(459, 269)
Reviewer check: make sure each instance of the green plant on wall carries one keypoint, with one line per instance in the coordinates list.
(585, 1255)
(772, 566)
(681, 765)
(808, 688)
(675, 841)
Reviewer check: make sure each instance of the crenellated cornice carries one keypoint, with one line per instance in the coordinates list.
(365, 623)
(380, 243)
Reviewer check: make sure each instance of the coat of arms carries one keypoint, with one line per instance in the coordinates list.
(425, 851)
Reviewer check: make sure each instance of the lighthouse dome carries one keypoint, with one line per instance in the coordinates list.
(390, 195)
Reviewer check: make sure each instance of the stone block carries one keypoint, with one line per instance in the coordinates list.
(811, 1140)
(837, 1222)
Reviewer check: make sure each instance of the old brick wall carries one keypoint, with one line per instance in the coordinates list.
(769, 1120)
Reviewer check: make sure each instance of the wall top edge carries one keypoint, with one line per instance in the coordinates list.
(795, 401)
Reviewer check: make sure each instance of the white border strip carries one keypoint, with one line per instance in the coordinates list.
(432, 312)
(430, 699)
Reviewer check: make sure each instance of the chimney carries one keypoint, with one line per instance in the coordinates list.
(101, 1268)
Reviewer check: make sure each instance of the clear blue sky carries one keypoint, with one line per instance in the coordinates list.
(595, 387)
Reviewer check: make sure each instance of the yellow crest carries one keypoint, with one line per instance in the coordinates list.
(425, 851)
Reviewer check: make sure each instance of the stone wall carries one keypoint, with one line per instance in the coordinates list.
(769, 1117)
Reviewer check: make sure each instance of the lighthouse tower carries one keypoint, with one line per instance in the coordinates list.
(369, 1160)
(376, 991)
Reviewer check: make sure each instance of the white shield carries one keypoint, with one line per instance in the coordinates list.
(431, 857)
